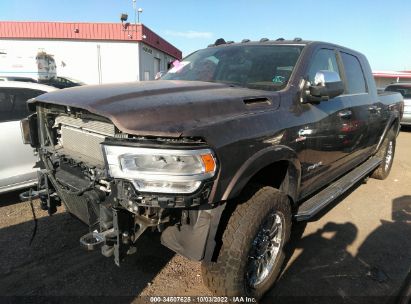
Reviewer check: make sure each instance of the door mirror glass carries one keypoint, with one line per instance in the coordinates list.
(327, 85)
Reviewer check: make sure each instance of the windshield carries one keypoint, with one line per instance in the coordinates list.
(266, 67)
(71, 80)
(405, 91)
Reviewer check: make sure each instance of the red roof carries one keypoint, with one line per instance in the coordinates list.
(392, 74)
(86, 31)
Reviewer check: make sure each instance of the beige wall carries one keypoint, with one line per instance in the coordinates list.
(148, 57)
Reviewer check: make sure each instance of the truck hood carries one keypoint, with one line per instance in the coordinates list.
(163, 107)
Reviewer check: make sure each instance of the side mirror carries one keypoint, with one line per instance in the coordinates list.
(327, 84)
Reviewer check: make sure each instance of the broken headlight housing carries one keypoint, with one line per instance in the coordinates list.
(161, 170)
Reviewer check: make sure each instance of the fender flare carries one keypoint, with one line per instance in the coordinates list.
(253, 165)
(262, 159)
(391, 120)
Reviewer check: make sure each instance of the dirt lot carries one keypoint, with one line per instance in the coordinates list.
(359, 251)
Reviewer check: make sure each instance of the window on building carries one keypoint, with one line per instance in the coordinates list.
(354, 74)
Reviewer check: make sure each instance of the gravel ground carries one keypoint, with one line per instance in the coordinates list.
(359, 251)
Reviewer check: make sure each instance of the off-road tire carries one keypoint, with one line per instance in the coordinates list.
(387, 147)
(227, 276)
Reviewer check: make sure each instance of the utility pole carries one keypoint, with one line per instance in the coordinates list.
(135, 11)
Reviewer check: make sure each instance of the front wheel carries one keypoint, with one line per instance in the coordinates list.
(386, 153)
(252, 252)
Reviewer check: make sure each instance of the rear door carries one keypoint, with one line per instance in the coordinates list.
(17, 159)
(357, 130)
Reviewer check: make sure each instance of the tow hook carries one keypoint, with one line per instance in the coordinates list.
(25, 196)
(94, 240)
(49, 199)
(118, 241)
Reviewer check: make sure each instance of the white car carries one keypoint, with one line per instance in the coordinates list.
(17, 159)
(405, 89)
(17, 78)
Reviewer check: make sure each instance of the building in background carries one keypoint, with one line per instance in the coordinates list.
(91, 52)
(384, 78)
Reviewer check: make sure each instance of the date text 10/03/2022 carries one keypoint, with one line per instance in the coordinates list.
(202, 299)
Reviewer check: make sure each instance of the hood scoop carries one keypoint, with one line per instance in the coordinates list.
(254, 101)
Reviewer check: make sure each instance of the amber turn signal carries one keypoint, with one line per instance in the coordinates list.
(209, 162)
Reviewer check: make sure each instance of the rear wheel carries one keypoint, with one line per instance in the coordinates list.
(386, 153)
(252, 252)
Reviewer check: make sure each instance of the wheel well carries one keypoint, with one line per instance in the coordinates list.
(274, 175)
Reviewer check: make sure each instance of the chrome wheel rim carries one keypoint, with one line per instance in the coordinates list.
(265, 250)
(388, 156)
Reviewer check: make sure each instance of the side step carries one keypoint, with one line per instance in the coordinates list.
(314, 205)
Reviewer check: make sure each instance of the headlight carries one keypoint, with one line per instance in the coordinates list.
(160, 170)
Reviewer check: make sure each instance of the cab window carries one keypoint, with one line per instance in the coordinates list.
(355, 81)
(324, 60)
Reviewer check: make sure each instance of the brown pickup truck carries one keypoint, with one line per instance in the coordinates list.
(234, 144)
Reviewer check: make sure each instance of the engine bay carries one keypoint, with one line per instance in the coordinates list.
(74, 172)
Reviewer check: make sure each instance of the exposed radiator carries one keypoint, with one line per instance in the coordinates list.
(82, 145)
(103, 128)
(80, 139)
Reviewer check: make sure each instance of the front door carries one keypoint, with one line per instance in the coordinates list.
(327, 139)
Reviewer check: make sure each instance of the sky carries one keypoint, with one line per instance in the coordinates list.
(379, 29)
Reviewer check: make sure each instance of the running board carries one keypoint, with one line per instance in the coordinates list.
(319, 201)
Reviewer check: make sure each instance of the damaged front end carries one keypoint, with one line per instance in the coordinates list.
(120, 185)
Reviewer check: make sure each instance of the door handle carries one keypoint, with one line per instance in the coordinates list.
(345, 114)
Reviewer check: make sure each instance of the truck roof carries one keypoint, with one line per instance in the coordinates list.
(221, 42)
(280, 41)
